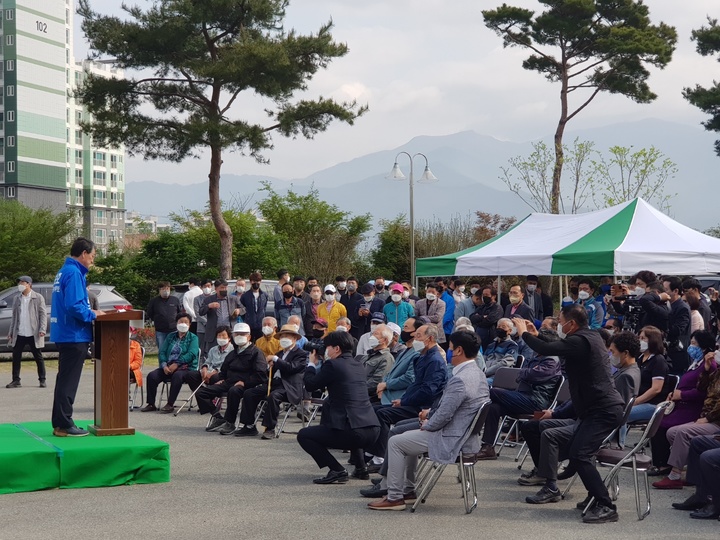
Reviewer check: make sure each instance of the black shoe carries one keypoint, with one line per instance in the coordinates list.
(226, 429)
(545, 495)
(14, 384)
(72, 431)
(246, 432)
(566, 474)
(333, 477)
(373, 468)
(600, 514)
(215, 424)
(376, 481)
(361, 473)
(694, 502)
(374, 492)
(43, 384)
(582, 504)
(149, 408)
(709, 511)
(659, 471)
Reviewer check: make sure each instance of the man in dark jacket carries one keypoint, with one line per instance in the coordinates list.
(220, 309)
(348, 421)
(371, 304)
(486, 316)
(598, 405)
(678, 333)
(285, 385)
(537, 385)
(243, 369)
(255, 301)
(162, 310)
(353, 301)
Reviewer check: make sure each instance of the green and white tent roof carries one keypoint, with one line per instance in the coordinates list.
(620, 240)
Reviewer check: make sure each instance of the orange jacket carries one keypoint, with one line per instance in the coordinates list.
(136, 361)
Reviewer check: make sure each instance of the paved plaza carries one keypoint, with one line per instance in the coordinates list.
(227, 487)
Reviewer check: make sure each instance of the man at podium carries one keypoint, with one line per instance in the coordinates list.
(71, 329)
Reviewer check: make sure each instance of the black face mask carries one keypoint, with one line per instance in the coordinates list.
(574, 291)
(287, 294)
(256, 286)
(440, 289)
(379, 286)
(222, 294)
(501, 333)
(486, 300)
(318, 333)
(406, 336)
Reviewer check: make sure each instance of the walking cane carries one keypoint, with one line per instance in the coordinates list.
(269, 380)
(189, 399)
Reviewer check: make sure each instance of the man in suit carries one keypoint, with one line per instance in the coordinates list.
(348, 421)
(533, 298)
(678, 335)
(27, 329)
(220, 310)
(254, 301)
(433, 308)
(486, 316)
(442, 433)
(286, 385)
(517, 307)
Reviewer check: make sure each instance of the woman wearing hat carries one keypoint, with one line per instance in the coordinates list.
(285, 386)
(331, 310)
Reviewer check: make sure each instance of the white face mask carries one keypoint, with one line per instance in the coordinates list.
(583, 295)
(531, 288)
(267, 330)
(616, 361)
(240, 340)
(373, 326)
(368, 299)
(461, 288)
(515, 300)
(222, 342)
(341, 328)
(286, 343)
(373, 342)
(240, 290)
(513, 331)
(330, 297)
(396, 298)
(182, 328)
(560, 332)
(21, 288)
(639, 291)
(406, 294)
(342, 284)
(430, 296)
(474, 290)
(164, 294)
(418, 345)
(643, 345)
(207, 291)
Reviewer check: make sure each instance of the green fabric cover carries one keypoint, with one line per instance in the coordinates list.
(32, 458)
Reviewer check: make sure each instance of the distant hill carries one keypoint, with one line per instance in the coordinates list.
(467, 165)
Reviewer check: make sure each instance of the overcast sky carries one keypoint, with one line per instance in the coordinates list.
(431, 67)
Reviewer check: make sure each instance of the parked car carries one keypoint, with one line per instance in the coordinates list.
(108, 299)
(712, 280)
(268, 286)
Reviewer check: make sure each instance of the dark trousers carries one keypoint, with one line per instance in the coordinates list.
(256, 333)
(206, 395)
(193, 379)
(547, 440)
(389, 415)
(176, 380)
(504, 402)
(316, 440)
(586, 440)
(254, 396)
(20, 343)
(660, 448)
(703, 467)
(70, 364)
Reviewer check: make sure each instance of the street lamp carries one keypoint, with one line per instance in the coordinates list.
(426, 178)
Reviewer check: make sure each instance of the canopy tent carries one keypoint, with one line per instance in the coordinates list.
(616, 241)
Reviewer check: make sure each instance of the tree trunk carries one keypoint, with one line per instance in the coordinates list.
(226, 235)
(559, 155)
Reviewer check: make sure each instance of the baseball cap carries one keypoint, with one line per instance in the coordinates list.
(26, 279)
(396, 287)
(330, 288)
(394, 327)
(241, 328)
(378, 316)
(321, 322)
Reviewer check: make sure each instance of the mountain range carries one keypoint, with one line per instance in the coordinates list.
(468, 167)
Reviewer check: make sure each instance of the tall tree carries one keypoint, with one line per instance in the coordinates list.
(707, 99)
(188, 62)
(589, 46)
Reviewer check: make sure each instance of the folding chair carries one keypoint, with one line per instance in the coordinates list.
(506, 379)
(429, 472)
(132, 393)
(607, 441)
(635, 459)
(519, 362)
(642, 424)
(165, 392)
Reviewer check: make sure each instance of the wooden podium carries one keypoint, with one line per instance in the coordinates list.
(112, 377)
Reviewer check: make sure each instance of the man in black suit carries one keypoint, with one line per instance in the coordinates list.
(348, 421)
(286, 385)
(678, 334)
(517, 307)
(220, 310)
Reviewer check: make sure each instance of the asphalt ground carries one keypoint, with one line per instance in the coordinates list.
(229, 487)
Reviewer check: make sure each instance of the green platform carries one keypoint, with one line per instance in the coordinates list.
(31, 459)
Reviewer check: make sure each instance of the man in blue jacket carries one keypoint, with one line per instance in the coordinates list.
(71, 329)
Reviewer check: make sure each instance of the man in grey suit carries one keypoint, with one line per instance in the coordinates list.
(433, 308)
(441, 433)
(220, 310)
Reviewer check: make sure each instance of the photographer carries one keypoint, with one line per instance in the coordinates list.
(678, 334)
(640, 305)
(316, 343)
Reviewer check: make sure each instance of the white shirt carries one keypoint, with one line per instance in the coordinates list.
(459, 367)
(25, 328)
(189, 299)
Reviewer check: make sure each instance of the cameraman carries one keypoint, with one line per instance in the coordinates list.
(645, 297)
(678, 334)
(315, 343)
(655, 310)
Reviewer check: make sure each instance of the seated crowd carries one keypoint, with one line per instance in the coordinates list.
(395, 377)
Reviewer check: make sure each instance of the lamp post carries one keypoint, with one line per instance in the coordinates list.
(426, 178)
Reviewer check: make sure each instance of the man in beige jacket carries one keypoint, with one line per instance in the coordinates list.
(27, 329)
